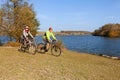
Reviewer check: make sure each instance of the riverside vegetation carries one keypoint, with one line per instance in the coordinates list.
(69, 66)
(14, 16)
(108, 30)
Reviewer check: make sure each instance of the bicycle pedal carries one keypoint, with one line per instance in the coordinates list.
(46, 50)
(36, 50)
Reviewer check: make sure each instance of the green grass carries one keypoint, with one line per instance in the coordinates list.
(69, 66)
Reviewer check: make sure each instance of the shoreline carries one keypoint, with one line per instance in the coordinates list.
(101, 55)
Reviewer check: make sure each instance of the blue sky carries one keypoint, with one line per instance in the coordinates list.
(83, 15)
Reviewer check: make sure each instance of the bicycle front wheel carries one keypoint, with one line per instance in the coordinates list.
(56, 51)
(32, 49)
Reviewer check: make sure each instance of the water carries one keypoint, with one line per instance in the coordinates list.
(93, 44)
(88, 44)
(4, 39)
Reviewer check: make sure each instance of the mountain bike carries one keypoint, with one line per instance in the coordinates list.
(55, 47)
(29, 48)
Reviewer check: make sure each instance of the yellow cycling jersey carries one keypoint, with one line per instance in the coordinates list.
(48, 35)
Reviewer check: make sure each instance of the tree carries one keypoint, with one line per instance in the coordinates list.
(17, 14)
(6, 19)
(108, 30)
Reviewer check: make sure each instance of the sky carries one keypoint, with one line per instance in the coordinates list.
(77, 15)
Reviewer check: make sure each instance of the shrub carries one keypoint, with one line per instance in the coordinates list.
(113, 34)
(60, 44)
(1, 43)
(108, 30)
(12, 44)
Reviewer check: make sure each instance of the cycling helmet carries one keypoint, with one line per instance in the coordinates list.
(26, 27)
(50, 28)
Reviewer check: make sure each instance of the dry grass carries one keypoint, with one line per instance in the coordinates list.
(69, 66)
(12, 44)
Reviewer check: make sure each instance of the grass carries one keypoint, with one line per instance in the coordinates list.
(69, 66)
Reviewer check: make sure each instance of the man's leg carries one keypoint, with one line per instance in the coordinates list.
(25, 43)
(47, 46)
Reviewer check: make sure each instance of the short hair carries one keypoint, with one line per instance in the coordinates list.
(50, 28)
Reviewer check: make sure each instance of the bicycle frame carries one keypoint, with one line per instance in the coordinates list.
(28, 47)
(55, 50)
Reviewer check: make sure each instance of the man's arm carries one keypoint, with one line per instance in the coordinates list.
(53, 36)
(24, 33)
(30, 34)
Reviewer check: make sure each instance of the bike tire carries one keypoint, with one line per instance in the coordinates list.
(56, 51)
(41, 48)
(21, 49)
(32, 49)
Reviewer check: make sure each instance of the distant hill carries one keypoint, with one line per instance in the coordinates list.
(68, 33)
(108, 30)
(75, 32)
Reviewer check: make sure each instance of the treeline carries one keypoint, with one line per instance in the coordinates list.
(75, 32)
(108, 30)
(14, 16)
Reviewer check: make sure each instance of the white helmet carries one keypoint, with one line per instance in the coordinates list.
(26, 27)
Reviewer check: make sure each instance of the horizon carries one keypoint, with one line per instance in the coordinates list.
(66, 30)
(77, 15)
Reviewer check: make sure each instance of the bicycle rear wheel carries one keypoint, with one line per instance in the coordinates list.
(21, 48)
(41, 48)
(32, 49)
(56, 51)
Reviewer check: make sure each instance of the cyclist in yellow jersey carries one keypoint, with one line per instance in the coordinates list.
(47, 38)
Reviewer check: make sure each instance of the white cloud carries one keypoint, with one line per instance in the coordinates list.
(41, 16)
(111, 17)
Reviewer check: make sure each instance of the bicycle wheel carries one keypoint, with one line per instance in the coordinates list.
(56, 51)
(41, 48)
(32, 49)
(21, 49)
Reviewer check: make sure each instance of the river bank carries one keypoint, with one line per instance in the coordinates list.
(85, 43)
(69, 66)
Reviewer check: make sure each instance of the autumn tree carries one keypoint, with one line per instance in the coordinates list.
(108, 30)
(16, 14)
(6, 19)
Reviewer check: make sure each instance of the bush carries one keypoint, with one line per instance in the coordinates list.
(113, 34)
(1, 43)
(12, 44)
(60, 44)
(108, 30)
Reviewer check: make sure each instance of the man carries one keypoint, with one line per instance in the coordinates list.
(26, 34)
(47, 38)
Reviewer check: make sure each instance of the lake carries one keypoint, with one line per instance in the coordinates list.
(87, 44)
